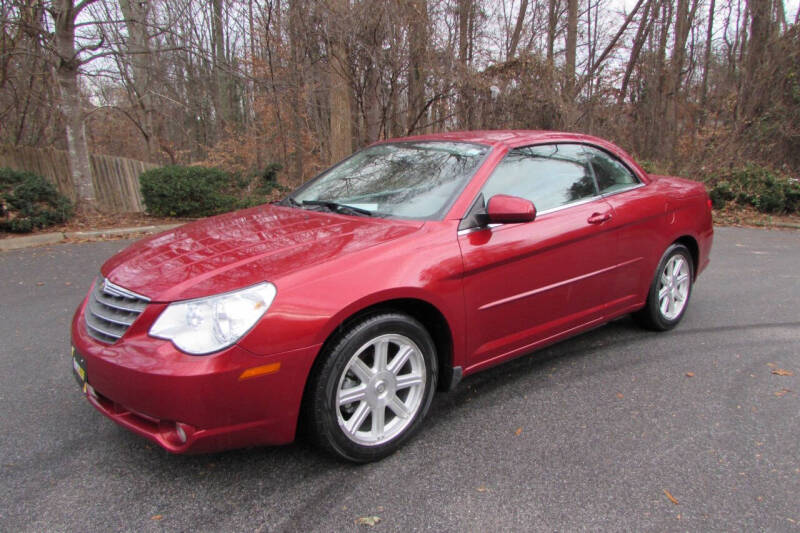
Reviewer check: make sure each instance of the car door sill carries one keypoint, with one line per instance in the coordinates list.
(533, 346)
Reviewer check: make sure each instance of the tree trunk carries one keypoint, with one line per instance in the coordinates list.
(569, 95)
(465, 96)
(707, 60)
(67, 76)
(683, 23)
(297, 88)
(645, 26)
(512, 48)
(552, 25)
(370, 96)
(417, 43)
(372, 105)
(339, 95)
(221, 86)
(138, 47)
(760, 33)
(654, 111)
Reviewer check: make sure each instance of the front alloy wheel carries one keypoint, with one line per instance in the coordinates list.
(372, 387)
(381, 389)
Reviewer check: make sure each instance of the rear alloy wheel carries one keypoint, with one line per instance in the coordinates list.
(374, 387)
(670, 291)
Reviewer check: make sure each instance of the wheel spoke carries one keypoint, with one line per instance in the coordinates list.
(663, 292)
(381, 353)
(352, 394)
(677, 266)
(399, 408)
(378, 421)
(408, 380)
(361, 370)
(664, 304)
(400, 359)
(358, 417)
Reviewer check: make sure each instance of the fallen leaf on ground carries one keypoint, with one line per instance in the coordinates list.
(620, 395)
(39, 283)
(518, 432)
(690, 374)
(367, 520)
(782, 372)
(482, 489)
(157, 517)
(671, 497)
(782, 392)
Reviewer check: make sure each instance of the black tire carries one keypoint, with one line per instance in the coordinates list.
(337, 372)
(652, 316)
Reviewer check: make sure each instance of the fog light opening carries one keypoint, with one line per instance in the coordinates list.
(181, 433)
(91, 392)
(175, 433)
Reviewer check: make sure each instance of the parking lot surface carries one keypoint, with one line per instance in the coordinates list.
(696, 429)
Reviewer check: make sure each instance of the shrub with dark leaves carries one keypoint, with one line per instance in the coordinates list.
(30, 202)
(755, 186)
(177, 191)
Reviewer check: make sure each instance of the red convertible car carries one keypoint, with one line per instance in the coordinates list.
(409, 265)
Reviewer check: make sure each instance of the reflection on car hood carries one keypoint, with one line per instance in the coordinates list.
(238, 249)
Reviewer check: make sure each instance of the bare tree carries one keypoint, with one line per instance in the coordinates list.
(512, 47)
(69, 61)
(417, 40)
(136, 15)
(243, 83)
(340, 92)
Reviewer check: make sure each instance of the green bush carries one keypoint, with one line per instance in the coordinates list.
(177, 191)
(265, 181)
(755, 186)
(653, 167)
(30, 202)
(269, 177)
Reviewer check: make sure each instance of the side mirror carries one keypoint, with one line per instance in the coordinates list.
(505, 209)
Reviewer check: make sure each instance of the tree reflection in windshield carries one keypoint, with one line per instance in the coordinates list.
(409, 180)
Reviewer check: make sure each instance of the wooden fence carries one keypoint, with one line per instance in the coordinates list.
(116, 179)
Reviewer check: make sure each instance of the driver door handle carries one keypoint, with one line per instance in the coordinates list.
(599, 218)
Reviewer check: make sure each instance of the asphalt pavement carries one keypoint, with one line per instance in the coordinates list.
(619, 429)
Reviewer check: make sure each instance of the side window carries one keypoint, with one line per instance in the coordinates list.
(549, 175)
(610, 173)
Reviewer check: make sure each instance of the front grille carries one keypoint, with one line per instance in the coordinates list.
(111, 311)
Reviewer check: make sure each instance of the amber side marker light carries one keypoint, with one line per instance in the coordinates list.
(260, 371)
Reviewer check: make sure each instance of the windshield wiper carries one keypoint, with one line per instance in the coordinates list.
(289, 201)
(337, 207)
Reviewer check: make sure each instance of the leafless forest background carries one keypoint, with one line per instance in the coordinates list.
(689, 86)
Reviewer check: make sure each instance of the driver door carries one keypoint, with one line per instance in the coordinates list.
(528, 283)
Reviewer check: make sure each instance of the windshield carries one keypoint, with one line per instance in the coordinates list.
(418, 180)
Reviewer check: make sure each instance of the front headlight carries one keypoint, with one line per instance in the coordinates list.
(210, 324)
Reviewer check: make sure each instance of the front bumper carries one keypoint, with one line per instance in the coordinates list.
(192, 404)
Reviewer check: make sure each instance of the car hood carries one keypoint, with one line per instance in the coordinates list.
(234, 250)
